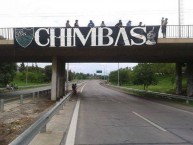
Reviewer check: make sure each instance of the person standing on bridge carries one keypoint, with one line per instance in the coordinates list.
(129, 23)
(165, 22)
(119, 24)
(68, 24)
(140, 24)
(91, 24)
(162, 23)
(76, 24)
(103, 24)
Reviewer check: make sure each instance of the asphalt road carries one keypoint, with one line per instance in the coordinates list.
(108, 117)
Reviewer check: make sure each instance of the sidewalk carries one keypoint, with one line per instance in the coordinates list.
(57, 127)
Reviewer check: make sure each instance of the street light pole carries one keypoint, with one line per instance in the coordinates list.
(104, 72)
(67, 77)
(26, 77)
(118, 74)
(179, 17)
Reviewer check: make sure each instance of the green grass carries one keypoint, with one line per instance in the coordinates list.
(164, 85)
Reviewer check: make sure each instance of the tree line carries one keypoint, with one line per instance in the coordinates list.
(10, 72)
(143, 74)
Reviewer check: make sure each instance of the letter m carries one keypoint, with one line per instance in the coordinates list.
(83, 40)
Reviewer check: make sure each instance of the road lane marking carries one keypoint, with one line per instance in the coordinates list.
(154, 124)
(82, 88)
(72, 129)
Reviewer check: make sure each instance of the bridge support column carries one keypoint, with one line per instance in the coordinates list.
(189, 79)
(58, 73)
(61, 79)
(178, 78)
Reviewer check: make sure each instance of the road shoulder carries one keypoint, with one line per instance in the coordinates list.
(183, 107)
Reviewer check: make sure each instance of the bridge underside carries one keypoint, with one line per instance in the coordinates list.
(162, 52)
(167, 50)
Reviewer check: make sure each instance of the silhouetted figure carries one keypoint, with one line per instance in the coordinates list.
(162, 21)
(165, 22)
(91, 24)
(74, 88)
(68, 24)
(76, 24)
(119, 24)
(140, 24)
(129, 23)
(103, 24)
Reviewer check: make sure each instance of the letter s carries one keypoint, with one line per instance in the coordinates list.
(138, 36)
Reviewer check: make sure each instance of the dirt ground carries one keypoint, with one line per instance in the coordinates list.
(14, 122)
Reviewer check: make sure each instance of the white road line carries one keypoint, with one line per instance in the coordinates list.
(154, 124)
(70, 139)
(72, 129)
(82, 88)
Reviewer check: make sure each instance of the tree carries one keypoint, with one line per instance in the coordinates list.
(48, 73)
(22, 67)
(163, 68)
(7, 73)
(125, 76)
(113, 77)
(144, 75)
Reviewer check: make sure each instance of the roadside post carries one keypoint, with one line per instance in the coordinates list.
(2, 105)
(21, 99)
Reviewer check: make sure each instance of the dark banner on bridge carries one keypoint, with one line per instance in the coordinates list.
(84, 36)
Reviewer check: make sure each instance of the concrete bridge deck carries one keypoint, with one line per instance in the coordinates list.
(176, 47)
(166, 50)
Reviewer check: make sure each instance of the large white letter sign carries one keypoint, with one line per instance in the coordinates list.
(37, 37)
(108, 35)
(125, 37)
(83, 40)
(139, 36)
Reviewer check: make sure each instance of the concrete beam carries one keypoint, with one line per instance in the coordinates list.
(178, 78)
(175, 40)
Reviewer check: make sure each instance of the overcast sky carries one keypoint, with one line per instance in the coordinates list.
(54, 13)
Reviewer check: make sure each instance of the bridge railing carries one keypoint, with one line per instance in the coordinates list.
(173, 31)
(6, 34)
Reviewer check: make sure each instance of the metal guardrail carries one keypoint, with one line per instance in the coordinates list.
(173, 31)
(185, 98)
(35, 94)
(26, 137)
(40, 125)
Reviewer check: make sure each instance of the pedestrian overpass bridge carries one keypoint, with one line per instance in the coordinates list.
(177, 48)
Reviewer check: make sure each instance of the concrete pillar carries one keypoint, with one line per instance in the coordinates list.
(58, 73)
(189, 72)
(178, 78)
(61, 80)
(54, 79)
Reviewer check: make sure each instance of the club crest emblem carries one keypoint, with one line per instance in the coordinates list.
(24, 36)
